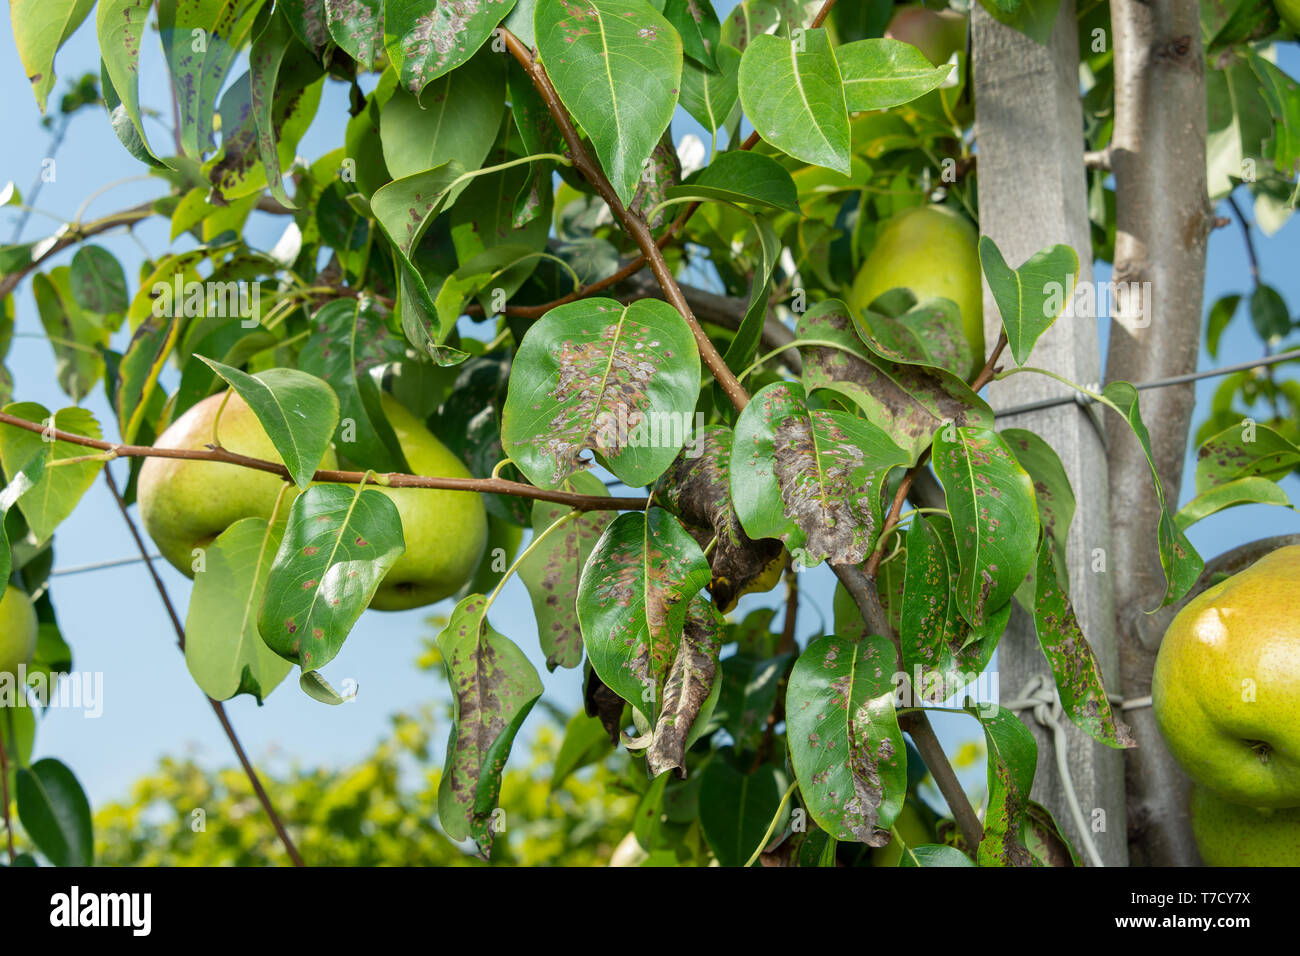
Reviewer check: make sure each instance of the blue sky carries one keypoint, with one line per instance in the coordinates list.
(112, 617)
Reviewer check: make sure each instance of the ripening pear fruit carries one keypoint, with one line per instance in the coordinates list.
(1226, 687)
(1228, 834)
(934, 252)
(936, 33)
(186, 504)
(18, 628)
(1289, 11)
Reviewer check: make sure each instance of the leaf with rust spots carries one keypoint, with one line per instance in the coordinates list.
(994, 517)
(697, 488)
(598, 376)
(1241, 452)
(339, 544)
(1044, 838)
(551, 572)
(307, 17)
(845, 743)
(427, 39)
(908, 402)
(1051, 484)
(493, 689)
(1074, 664)
(942, 653)
(899, 329)
(811, 477)
(357, 26)
(662, 173)
(602, 703)
(632, 603)
(1012, 758)
(690, 691)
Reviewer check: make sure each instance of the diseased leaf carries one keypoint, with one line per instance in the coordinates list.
(659, 174)
(493, 689)
(121, 25)
(1244, 450)
(57, 490)
(1012, 757)
(691, 687)
(552, 572)
(994, 515)
(595, 375)
(1074, 665)
(632, 603)
(1051, 484)
(428, 38)
(137, 374)
(881, 73)
(926, 334)
(617, 66)
(1031, 297)
(224, 652)
(339, 544)
(97, 281)
(40, 28)
(812, 477)
(357, 26)
(847, 750)
(793, 94)
(278, 81)
(908, 402)
(75, 337)
(307, 18)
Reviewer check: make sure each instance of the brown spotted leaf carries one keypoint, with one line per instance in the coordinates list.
(845, 743)
(812, 477)
(632, 603)
(1012, 757)
(697, 488)
(909, 402)
(927, 333)
(493, 689)
(340, 542)
(427, 38)
(661, 172)
(598, 376)
(690, 691)
(357, 26)
(551, 572)
(602, 703)
(1074, 664)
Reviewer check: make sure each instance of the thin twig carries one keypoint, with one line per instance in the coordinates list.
(1249, 240)
(217, 707)
(4, 784)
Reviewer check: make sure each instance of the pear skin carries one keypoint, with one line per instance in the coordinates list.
(186, 504)
(1226, 687)
(1228, 834)
(18, 628)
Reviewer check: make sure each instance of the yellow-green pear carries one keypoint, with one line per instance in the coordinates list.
(445, 531)
(912, 826)
(934, 252)
(17, 630)
(1289, 11)
(936, 33)
(1226, 687)
(1228, 834)
(185, 504)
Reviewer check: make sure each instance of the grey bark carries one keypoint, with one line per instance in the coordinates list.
(1033, 193)
(1164, 219)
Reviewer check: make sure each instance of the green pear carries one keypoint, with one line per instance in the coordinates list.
(1228, 834)
(912, 826)
(1226, 687)
(445, 531)
(936, 33)
(186, 504)
(1289, 11)
(934, 252)
(17, 630)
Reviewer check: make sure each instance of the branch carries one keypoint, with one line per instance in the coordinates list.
(494, 486)
(217, 707)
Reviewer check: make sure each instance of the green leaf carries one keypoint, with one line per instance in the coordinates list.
(933, 854)
(1034, 18)
(121, 27)
(994, 514)
(690, 691)
(338, 546)
(928, 334)
(711, 96)
(75, 337)
(1282, 94)
(745, 342)
(456, 118)
(55, 813)
(908, 402)
(1221, 313)
(748, 697)
(1244, 450)
(98, 282)
(736, 809)
(319, 689)
(1032, 297)
(792, 92)
(617, 66)
(1051, 484)
(1181, 564)
(879, 74)
(40, 28)
(494, 688)
(847, 750)
(54, 496)
(812, 477)
(1269, 313)
(1239, 125)
(1012, 757)
(201, 39)
(426, 40)
(349, 338)
(223, 649)
(596, 375)
(483, 219)
(696, 22)
(551, 572)
(21, 482)
(742, 177)
(298, 411)
(1239, 491)
(585, 742)
(1074, 665)
(357, 26)
(632, 603)
(137, 374)
(264, 62)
